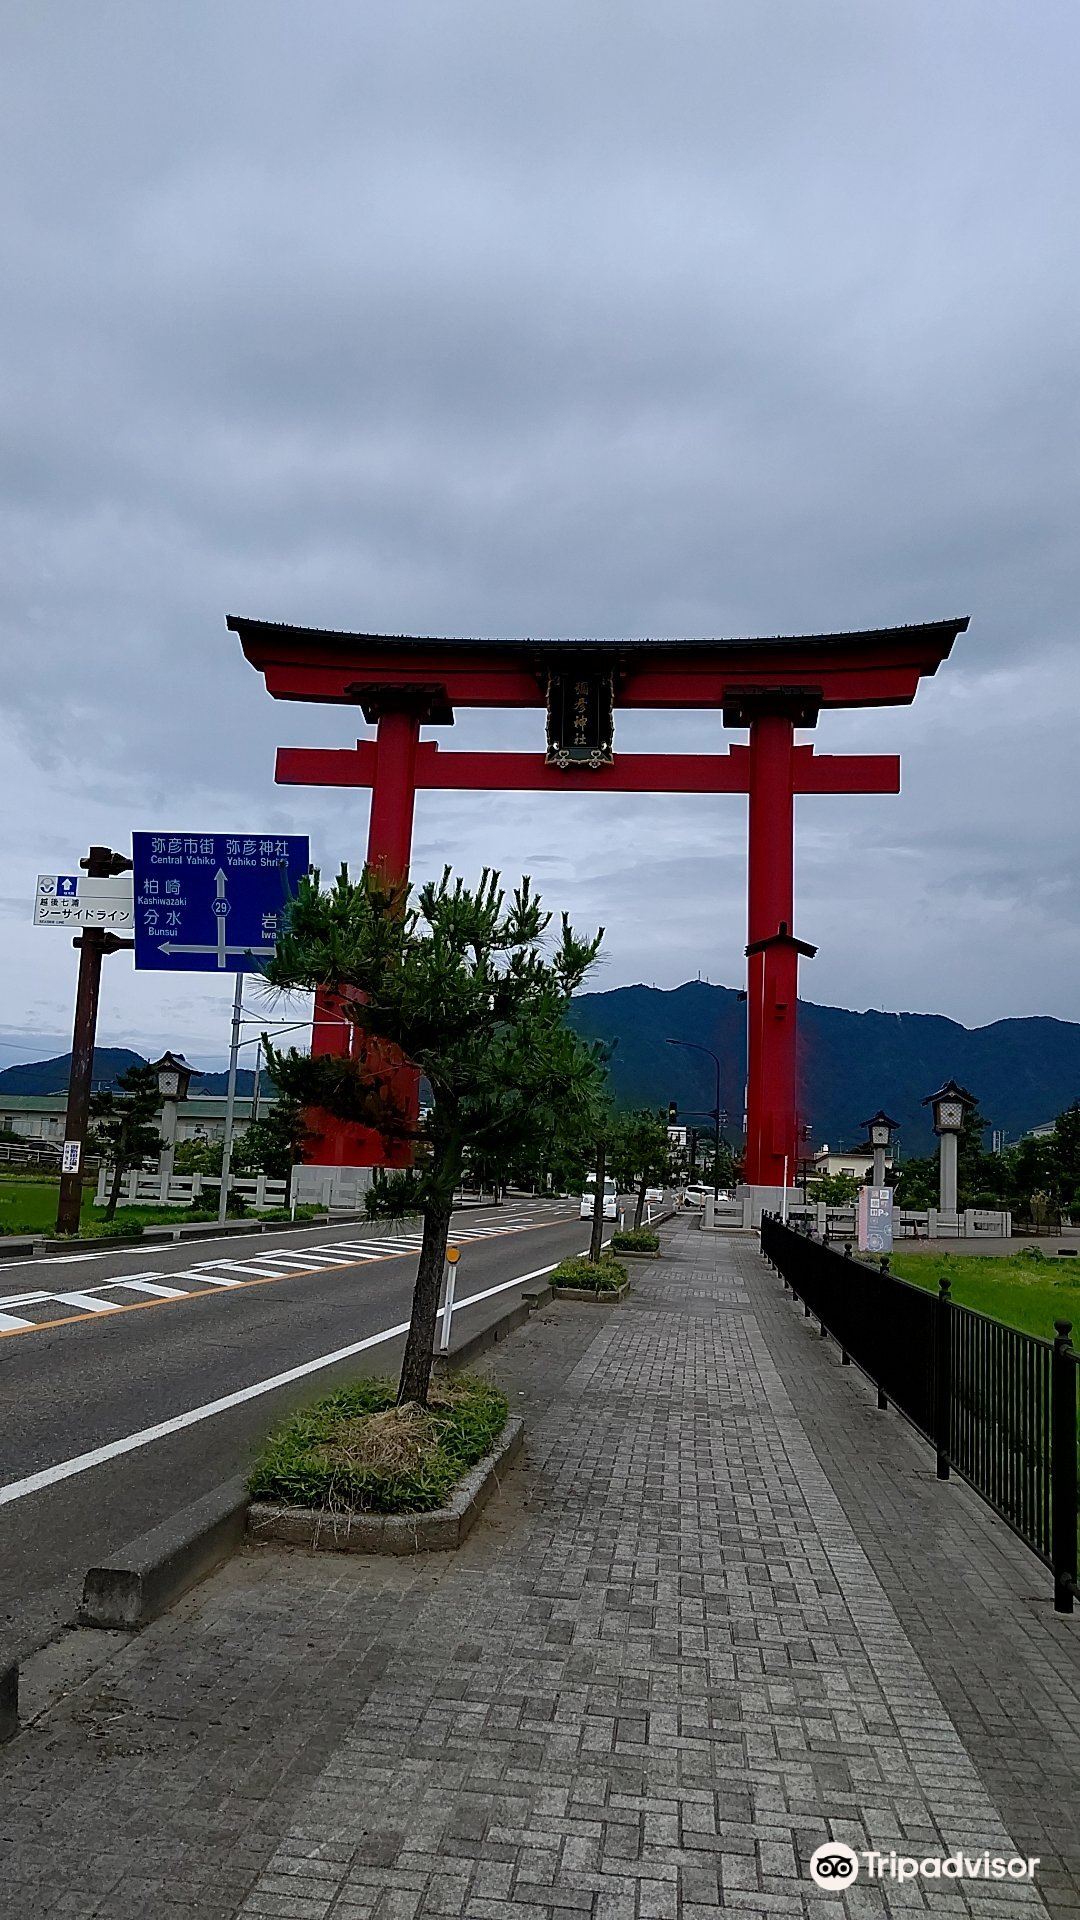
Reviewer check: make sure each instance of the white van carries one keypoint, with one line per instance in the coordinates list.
(611, 1200)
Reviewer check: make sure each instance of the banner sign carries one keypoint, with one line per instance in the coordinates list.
(212, 902)
(76, 900)
(875, 1219)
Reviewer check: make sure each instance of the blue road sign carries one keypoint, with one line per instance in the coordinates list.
(212, 902)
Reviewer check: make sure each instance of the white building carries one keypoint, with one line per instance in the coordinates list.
(38, 1118)
(857, 1161)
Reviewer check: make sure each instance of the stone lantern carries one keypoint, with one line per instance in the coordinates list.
(879, 1132)
(173, 1078)
(951, 1104)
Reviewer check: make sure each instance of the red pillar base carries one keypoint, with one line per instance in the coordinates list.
(343, 1143)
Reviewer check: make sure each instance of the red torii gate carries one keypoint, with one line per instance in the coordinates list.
(770, 686)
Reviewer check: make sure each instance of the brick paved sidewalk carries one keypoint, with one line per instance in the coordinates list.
(662, 1670)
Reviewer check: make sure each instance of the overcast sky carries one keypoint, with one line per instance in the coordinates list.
(592, 317)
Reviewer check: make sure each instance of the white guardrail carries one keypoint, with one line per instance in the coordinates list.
(140, 1189)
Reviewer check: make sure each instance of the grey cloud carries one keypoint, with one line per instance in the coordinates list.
(604, 319)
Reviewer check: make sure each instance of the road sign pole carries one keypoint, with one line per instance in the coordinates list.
(230, 1099)
(453, 1255)
(100, 863)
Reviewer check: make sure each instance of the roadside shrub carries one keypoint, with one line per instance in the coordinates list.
(358, 1452)
(636, 1240)
(600, 1276)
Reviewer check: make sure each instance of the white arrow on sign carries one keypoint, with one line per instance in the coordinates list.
(171, 946)
(220, 909)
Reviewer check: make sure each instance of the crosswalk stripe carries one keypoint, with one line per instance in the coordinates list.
(300, 1261)
(86, 1302)
(245, 1267)
(320, 1258)
(389, 1240)
(206, 1279)
(375, 1248)
(9, 1321)
(150, 1286)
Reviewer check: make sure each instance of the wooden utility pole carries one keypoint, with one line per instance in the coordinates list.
(101, 863)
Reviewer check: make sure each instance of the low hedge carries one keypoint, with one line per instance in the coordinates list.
(636, 1240)
(356, 1451)
(599, 1276)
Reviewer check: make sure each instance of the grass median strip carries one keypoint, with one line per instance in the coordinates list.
(356, 1451)
(605, 1275)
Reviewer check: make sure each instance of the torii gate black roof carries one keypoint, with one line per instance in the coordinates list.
(938, 633)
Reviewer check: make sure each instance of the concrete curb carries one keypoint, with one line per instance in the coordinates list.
(153, 1572)
(636, 1253)
(11, 1249)
(102, 1243)
(490, 1336)
(161, 1233)
(393, 1533)
(210, 1229)
(592, 1296)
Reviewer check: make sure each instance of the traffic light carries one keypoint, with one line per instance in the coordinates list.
(672, 1112)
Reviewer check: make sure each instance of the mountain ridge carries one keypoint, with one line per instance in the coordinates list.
(51, 1076)
(1023, 1069)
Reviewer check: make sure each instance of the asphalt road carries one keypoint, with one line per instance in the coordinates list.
(98, 1351)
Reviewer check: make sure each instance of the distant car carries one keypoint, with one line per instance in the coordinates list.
(611, 1200)
(695, 1196)
(654, 1195)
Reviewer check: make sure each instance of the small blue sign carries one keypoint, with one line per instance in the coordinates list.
(67, 884)
(212, 902)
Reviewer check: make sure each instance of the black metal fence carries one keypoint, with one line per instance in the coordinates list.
(998, 1405)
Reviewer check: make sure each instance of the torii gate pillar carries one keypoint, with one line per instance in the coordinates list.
(342, 1143)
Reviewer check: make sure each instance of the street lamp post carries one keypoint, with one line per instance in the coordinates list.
(715, 1115)
(951, 1104)
(879, 1132)
(173, 1078)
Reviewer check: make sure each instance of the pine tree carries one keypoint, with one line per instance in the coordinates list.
(461, 985)
(125, 1125)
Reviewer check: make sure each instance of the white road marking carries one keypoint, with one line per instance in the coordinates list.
(132, 1442)
(297, 1260)
(38, 1261)
(69, 1259)
(86, 1302)
(206, 1279)
(245, 1267)
(275, 1264)
(151, 1287)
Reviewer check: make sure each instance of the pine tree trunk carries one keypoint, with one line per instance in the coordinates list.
(639, 1211)
(420, 1345)
(596, 1241)
(118, 1176)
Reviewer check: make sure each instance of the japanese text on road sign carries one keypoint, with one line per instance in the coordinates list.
(80, 900)
(212, 902)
